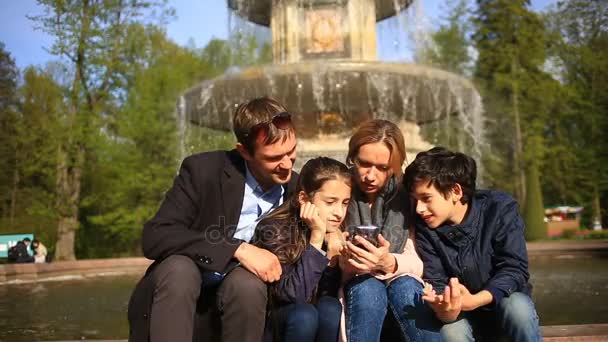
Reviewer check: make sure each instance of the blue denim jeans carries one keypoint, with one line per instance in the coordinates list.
(307, 322)
(368, 300)
(414, 316)
(514, 318)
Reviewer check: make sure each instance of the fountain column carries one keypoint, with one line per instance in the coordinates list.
(325, 71)
(346, 30)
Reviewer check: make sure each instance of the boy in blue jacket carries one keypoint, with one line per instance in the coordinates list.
(473, 249)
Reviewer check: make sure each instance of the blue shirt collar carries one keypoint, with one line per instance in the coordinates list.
(257, 188)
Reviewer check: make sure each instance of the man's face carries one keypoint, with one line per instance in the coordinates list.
(433, 207)
(271, 164)
(372, 164)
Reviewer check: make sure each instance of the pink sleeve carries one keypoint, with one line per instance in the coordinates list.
(408, 263)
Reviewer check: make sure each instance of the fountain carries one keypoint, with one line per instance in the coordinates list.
(327, 74)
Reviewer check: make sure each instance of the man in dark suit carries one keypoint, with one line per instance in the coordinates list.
(199, 236)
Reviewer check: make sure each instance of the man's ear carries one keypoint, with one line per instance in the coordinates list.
(302, 198)
(243, 152)
(456, 193)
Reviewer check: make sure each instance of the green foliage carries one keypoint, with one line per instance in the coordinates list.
(451, 44)
(578, 32)
(8, 125)
(534, 212)
(510, 41)
(33, 147)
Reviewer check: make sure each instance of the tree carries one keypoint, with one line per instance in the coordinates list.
(41, 104)
(579, 48)
(510, 41)
(8, 122)
(451, 44)
(534, 212)
(90, 35)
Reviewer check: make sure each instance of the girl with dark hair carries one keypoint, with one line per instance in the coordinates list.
(305, 234)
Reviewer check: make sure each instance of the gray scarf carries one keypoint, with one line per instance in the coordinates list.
(388, 212)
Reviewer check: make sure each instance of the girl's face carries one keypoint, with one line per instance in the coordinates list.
(331, 201)
(372, 164)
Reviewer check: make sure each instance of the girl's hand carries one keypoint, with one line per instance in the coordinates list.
(335, 242)
(310, 215)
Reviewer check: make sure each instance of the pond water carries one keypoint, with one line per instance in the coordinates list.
(567, 290)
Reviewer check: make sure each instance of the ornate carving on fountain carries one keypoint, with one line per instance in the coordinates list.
(324, 31)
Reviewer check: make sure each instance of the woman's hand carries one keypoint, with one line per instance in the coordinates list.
(371, 259)
(310, 215)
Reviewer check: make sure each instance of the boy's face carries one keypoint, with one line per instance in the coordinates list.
(434, 208)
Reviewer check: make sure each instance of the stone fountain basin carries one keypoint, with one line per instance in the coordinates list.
(334, 96)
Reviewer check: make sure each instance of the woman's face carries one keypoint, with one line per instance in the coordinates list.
(331, 201)
(372, 164)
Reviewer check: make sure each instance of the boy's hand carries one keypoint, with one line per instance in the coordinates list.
(448, 305)
(471, 302)
(260, 262)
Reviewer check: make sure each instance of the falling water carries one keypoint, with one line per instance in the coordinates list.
(343, 91)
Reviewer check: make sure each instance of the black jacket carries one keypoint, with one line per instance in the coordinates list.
(197, 218)
(487, 251)
(307, 276)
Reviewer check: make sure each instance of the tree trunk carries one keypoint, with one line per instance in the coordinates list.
(520, 177)
(596, 207)
(68, 199)
(71, 154)
(14, 190)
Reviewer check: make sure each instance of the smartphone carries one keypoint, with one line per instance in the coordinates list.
(369, 233)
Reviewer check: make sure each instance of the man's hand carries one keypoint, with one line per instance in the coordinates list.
(260, 262)
(309, 213)
(448, 305)
(372, 259)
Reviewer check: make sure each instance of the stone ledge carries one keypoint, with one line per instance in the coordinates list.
(553, 333)
(90, 266)
(581, 332)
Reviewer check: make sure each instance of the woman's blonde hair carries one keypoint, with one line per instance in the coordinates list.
(375, 131)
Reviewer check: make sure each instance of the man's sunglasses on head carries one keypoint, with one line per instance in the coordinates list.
(281, 121)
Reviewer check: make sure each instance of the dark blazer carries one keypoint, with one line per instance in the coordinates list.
(197, 218)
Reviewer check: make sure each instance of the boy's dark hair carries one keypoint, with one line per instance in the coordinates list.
(27, 239)
(443, 169)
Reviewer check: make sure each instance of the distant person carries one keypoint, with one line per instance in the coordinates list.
(18, 253)
(199, 238)
(40, 252)
(473, 249)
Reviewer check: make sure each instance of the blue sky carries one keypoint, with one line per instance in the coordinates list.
(200, 20)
